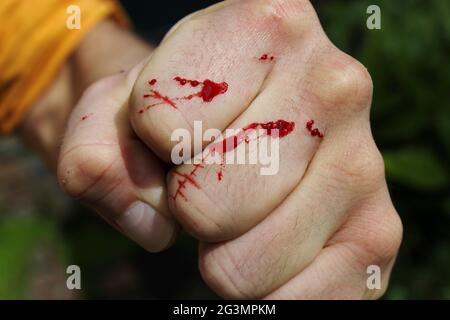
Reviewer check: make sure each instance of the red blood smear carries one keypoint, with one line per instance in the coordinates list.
(186, 178)
(284, 128)
(229, 143)
(181, 185)
(314, 132)
(265, 57)
(210, 89)
(155, 94)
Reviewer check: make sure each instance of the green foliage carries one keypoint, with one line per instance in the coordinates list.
(417, 168)
(19, 239)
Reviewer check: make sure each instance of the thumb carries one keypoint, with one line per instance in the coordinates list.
(103, 163)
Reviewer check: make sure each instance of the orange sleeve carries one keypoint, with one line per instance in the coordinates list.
(35, 41)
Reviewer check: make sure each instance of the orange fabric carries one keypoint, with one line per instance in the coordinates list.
(34, 42)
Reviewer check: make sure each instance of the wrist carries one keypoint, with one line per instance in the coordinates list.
(106, 50)
(44, 123)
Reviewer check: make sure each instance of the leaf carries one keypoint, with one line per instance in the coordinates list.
(18, 237)
(419, 168)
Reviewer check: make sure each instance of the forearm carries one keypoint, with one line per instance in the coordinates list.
(107, 49)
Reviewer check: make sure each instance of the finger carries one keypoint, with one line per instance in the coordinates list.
(312, 91)
(103, 164)
(288, 240)
(209, 69)
(365, 245)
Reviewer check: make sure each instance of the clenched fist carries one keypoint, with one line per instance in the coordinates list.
(266, 69)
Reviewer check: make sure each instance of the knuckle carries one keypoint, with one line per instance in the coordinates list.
(344, 83)
(83, 166)
(387, 239)
(381, 238)
(353, 86)
(290, 16)
(361, 166)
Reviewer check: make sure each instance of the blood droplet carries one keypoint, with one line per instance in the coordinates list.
(314, 132)
(212, 89)
(86, 116)
(266, 57)
(152, 82)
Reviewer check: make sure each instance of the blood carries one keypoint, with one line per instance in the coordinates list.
(186, 178)
(208, 92)
(157, 95)
(266, 57)
(86, 116)
(314, 132)
(281, 127)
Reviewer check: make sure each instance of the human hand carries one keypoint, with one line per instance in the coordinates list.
(311, 230)
(101, 162)
(105, 165)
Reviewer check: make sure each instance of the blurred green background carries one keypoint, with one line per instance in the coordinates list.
(42, 232)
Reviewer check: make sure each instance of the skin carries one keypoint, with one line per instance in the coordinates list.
(308, 232)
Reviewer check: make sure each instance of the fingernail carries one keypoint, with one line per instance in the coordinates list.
(146, 226)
